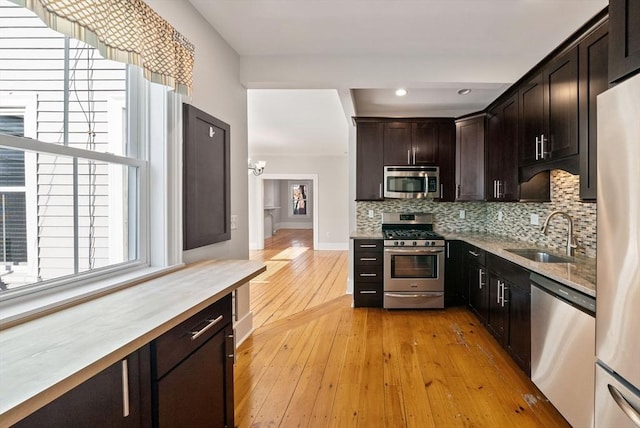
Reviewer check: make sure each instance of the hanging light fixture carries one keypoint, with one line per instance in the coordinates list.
(257, 168)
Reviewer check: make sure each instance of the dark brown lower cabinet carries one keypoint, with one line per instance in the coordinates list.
(367, 270)
(509, 315)
(477, 280)
(192, 371)
(455, 285)
(197, 391)
(116, 397)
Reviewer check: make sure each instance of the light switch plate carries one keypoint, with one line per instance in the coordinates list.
(234, 222)
(500, 216)
(370, 213)
(463, 214)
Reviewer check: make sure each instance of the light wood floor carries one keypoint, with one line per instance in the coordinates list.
(315, 361)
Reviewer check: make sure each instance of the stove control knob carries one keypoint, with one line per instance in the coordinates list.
(395, 243)
(426, 243)
(401, 243)
(433, 243)
(415, 243)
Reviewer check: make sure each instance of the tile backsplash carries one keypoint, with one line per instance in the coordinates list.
(515, 218)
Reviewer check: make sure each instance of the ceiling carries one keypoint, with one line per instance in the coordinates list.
(362, 50)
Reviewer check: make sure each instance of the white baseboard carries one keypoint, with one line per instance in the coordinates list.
(349, 285)
(243, 328)
(333, 246)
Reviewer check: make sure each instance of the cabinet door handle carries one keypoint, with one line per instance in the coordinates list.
(504, 288)
(537, 148)
(542, 152)
(368, 274)
(498, 293)
(210, 323)
(380, 190)
(441, 190)
(414, 156)
(408, 157)
(125, 388)
(624, 404)
(448, 250)
(480, 283)
(474, 254)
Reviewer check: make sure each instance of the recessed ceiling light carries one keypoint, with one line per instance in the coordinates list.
(464, 91)
(401, 92)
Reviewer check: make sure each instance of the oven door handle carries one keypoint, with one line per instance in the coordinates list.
(414, 251)
(412, 296)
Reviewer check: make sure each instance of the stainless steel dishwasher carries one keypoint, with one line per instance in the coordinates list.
(563, 332)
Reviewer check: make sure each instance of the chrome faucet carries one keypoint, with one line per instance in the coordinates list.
(571, 240)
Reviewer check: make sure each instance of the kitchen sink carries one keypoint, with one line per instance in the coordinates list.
(539, 256)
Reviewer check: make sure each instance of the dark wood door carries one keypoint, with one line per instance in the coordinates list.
(561, 106)
(470, 150)
(194, 393)
(397, 143)
(624, 40)
(593, 53)
(369, 161)
(502, 152)
(455, 287)
(100, 401)
(518, 339)
(207, 183)
(498, 312)
(425, 143)
(447, 159)
(531, 106)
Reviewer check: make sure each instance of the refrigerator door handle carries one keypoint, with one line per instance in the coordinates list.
(626, 407)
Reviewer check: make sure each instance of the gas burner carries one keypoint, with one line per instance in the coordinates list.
(410, 230)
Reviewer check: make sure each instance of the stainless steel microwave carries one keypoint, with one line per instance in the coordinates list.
(412, 182)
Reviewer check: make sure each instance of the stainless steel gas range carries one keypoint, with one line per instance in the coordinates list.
(413, 262)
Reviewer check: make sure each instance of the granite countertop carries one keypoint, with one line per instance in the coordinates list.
(43, 358)
(580, 274)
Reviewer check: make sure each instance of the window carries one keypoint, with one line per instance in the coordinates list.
(73, 194)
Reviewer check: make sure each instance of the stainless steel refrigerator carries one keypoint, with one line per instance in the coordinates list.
(617, 400)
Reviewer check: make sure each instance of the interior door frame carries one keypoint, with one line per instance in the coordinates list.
(259, 204)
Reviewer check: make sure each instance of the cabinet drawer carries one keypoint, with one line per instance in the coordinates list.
(367, 258)
(368, 273)
(367, 246)
(179, 342)
(368, 295)
(477, 254)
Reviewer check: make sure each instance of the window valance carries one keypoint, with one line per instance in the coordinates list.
(128, 31)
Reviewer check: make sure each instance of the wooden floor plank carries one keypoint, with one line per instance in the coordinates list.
(314, 361)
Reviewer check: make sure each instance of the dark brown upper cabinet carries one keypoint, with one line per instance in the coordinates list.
(549, 111)
(447, 159)
(502, 152)
(206, 184)
(397, 143)
(624, 38)
(470, 151)
(593, 51)
(425, 138)
(369, 160)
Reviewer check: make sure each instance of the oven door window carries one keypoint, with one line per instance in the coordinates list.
(406, 184)
(414, 266)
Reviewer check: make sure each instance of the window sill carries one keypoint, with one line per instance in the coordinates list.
(24, 308)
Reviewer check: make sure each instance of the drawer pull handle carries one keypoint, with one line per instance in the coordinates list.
(210, 323)
(368, 292)
(368, 259)
(368, 274)
(125, 388)
(473, 253)
(368, 245)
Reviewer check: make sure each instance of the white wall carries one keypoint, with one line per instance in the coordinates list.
(333, 193)
(217, 90)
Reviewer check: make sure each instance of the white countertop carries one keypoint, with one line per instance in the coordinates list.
(43, 358)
